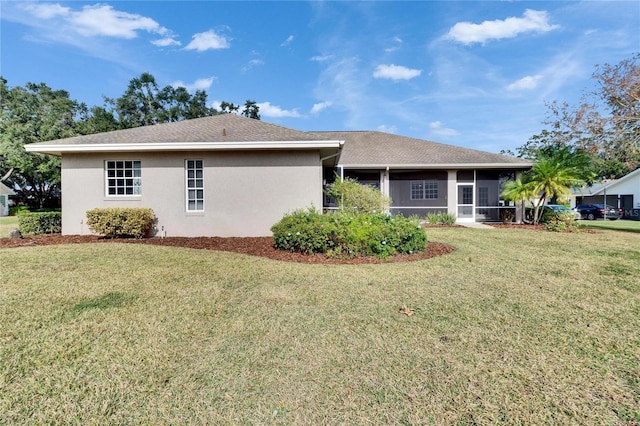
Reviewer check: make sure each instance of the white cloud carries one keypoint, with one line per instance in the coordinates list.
(199, 84)
(526, 83)
(268, 110)
(531, 21)
(395, 72)
(387, 129)
(97, 20)
(287, 41)
(317, 108)
(45, 10)
(252, 64)
(398, 41)
(438, 130)
(165, 42)
(103, 20)
(208, 40)
(320, 58)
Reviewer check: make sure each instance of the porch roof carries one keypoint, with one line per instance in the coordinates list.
(370, 149)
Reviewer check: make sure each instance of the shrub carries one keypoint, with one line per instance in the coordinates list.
(441, 218)
(121, 222)
(40, 223)
(353, 196)
(348, 234)
(18, 210)
(561, 222)
(507, 215)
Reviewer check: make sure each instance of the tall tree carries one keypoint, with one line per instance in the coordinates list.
(605, 126)
(33, 113)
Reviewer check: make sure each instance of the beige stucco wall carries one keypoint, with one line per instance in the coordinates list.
(245, 192)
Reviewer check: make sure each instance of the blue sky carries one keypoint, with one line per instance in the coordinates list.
(473, 73)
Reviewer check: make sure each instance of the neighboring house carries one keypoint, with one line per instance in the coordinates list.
(229, 175)
(623, 193)
(5, 192)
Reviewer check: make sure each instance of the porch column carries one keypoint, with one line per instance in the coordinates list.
(452, 180)
(519, 211)
(384, 181)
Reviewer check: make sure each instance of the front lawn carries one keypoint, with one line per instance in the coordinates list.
(514, 327)
(614, 225)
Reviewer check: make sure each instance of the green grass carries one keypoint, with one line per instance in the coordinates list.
(614, 225)
(514, 327)
(7, 223)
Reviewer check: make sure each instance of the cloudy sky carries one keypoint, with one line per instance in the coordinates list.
(474, 74)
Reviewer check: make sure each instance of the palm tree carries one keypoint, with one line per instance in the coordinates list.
(519, 190)
(552, 176)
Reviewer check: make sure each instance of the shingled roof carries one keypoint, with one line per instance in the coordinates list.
(364, 149)
(217, 128)
(369, 149)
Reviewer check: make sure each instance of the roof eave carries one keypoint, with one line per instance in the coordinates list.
(59, 149)
(440, 166)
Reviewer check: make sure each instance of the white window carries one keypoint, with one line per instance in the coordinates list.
(124, 178)
(195, 185)
(424, 189)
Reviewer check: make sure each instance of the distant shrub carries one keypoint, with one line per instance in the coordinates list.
(353, 196)
(18, 210)
(121, 222)
(507, 215)
(348, 234)
(40, 223)
(441, 218)
(561, 222)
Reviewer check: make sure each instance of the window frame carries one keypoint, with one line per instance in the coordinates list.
(118, 170)
(198, 165)
(428, 189)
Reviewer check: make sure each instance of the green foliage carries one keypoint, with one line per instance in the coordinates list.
(441, 218)
(40, 223)
(560, 222)
(29, 114)
(18, 210)
(353, 196)
(552, 176)
(348, 234)
(121, 222)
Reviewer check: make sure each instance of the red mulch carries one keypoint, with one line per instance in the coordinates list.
(255, 246)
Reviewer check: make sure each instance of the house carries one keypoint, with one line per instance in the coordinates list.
(229, 175)
(5, 192)
(623, 193)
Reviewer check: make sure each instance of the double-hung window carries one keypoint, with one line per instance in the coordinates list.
(195, 185)
(124, 178)
(424, 189)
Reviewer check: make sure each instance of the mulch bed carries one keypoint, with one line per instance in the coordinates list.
(255, 246)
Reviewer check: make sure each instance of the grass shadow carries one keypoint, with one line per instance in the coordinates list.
(107, 300)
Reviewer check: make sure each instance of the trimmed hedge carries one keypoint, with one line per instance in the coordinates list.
(121, 222)
(40, 223)
(347, 234)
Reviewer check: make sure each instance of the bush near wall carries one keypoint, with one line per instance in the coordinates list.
(121, 222)
(40, 223)
(348, 234)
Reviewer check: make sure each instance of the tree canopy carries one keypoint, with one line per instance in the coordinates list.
(37, 113)
(31, 114)
(605, 126)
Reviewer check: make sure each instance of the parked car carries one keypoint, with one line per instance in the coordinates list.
(559, 208)
(598, 211)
